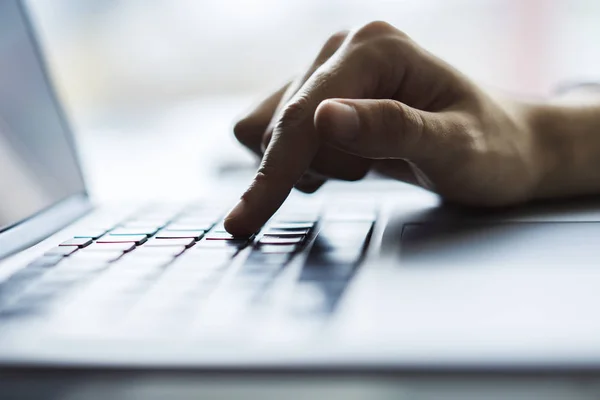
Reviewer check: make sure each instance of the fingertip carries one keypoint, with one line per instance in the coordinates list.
(309, 186)
(243, 126)
(236, 222)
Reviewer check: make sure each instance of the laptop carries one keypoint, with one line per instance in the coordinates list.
(373, 276)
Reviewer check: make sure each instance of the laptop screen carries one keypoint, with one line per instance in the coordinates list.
(38, 166)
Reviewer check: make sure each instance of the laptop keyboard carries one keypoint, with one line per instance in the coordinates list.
(163, 262)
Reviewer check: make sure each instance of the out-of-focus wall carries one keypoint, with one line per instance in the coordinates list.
(113, 57)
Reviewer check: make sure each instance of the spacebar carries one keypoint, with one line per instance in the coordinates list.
(336, 251)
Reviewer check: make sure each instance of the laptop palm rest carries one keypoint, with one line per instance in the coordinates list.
(497, 243)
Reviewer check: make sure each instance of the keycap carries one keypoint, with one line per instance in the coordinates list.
(319, 256)
(79, 242)
(46, 261)
(289, 232)
(212, 255)
(264, 264)
(327, 272)
(234, 243)
(95, 257)
(223, 236)
(62, 251)
(19, 281)
(158, 251)
(280, 240)
(91, 234)
(142, 263)
(212, 248)
(289, 248)
(259, 258)
(166, 234)
(147, 231)
(123, 247)
(169, 242)
(136, 239)
(292, 225)
(336, 235)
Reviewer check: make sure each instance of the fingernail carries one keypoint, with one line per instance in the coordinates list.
(344, 121)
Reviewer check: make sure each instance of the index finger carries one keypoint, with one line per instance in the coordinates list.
(295, 143)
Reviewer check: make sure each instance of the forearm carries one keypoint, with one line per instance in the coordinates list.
(567, 130)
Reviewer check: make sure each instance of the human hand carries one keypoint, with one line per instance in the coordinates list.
(374, 99)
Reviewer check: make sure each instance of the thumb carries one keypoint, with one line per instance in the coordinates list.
(383, 129)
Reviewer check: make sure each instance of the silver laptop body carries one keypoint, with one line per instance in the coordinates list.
(368, 276)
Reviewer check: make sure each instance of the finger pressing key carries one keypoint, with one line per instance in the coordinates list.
(295, 143)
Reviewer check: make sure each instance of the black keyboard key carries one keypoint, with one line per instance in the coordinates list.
(278, 249)
(261, 264)
(233, 243)
(320, 256)
(78, 242)
(294, 225)
(327, 271)
(135, 239)
(274, 240)
(336, 252)
(224, 236)
(63, 251)
(343, 235)
(287, 233)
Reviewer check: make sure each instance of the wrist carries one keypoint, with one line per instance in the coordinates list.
(566, 133)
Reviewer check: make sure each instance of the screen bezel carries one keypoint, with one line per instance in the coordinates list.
(44, 222)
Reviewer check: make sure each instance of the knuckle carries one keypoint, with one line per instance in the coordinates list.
(294, 112)
(396, 121)
(268, 173)
(335, 41)
(374, 29)
(331, 46)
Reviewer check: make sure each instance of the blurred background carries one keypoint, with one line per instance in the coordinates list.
(133, 67)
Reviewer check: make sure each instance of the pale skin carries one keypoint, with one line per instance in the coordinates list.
(373, 99)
